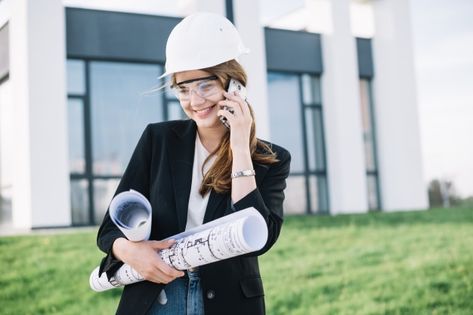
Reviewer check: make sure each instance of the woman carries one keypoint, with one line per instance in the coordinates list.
(194, 171)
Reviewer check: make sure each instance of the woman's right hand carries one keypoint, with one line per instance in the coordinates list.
(143, 257)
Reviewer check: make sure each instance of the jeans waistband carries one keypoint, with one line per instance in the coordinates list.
(193, 273)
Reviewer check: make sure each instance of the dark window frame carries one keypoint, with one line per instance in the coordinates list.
(323, 201)
(88, 174)
(373, 172)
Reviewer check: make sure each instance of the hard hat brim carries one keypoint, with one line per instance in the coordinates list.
(203, 66)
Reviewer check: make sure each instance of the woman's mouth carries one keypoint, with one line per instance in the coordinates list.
(203, 113)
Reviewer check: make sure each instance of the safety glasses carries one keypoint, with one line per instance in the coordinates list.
(203, 87)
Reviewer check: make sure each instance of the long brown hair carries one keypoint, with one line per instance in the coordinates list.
(218, 177)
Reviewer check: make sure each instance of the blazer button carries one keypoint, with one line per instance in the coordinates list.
(210, 294)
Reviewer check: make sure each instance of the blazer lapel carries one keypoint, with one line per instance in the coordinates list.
(182, 159)
(215, 200)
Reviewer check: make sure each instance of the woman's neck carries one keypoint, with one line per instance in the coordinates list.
(211, 137)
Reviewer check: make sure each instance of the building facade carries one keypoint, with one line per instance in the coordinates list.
(77, 89)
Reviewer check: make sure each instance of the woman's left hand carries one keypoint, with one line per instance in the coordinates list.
(240, 121)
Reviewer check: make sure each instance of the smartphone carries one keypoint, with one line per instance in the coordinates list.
(234, 85)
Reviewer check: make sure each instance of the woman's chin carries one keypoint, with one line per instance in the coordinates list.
(211, 122)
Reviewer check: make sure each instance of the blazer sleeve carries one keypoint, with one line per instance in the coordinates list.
(268, 198)
(136, 177)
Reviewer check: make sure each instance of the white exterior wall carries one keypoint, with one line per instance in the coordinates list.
(247, 20)
(342, 117)
(37, 72)
(396, 113)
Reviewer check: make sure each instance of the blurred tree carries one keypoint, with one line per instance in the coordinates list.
(442, 193)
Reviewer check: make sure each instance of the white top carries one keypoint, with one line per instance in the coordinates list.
(197, 203)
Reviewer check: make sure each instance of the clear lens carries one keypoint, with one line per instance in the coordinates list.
(204, 89)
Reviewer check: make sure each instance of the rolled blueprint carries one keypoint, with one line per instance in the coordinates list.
(236, 234)
(131, 212)
(239, 233)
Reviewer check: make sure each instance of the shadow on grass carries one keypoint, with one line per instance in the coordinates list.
(431, 216)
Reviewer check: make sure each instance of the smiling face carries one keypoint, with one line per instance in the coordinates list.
(198, 92)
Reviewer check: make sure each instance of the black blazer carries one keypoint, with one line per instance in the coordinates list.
(161, 169)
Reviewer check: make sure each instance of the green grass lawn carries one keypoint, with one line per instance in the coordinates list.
(377, 263)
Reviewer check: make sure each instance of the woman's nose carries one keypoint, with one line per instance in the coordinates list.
(195, 98)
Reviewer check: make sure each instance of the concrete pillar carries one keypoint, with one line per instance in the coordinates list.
(396, 112)
(247, 20)
(41, 195)
(341, 107)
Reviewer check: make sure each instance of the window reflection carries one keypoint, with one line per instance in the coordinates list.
(323, 194)
(311, 89)
(373, 201)
(369, 144)
(76, 135)
(367, 124)
(75, 76)
(297, 124)
(285, 116)
(79, 202)
(121, 109)
(319, 140)
(103, 194)
(310, 134)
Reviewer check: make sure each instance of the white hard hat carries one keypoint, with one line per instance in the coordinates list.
(202, 40)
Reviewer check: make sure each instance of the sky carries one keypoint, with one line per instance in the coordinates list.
(443, 50)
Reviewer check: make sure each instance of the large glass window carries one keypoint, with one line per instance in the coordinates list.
(109, 105)
(6, 153)
(80, 202)
(76, 135)
(369, 145)
(76, 112)
(103, 193)
(297, 124)
(120, 109)
(285, 115)
(75, 77)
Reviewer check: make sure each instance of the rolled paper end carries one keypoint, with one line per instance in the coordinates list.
(255, 232)
(132, 213)
(93, 280)
(99, 284)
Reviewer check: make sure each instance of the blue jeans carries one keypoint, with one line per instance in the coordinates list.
(184, 297)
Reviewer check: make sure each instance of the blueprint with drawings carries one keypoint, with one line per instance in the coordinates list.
(238, 233)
